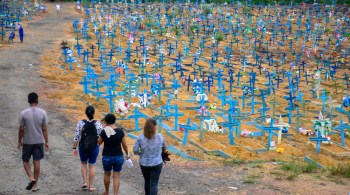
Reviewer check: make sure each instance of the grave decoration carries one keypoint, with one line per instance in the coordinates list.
(323, 127)
(210, 125)
(283, 128)
(121, 107)
(145, 99)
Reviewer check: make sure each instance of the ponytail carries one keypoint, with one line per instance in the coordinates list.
(90, 111)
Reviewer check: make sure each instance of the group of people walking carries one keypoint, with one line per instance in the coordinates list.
(90, 134)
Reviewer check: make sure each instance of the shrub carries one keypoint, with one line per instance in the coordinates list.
(341, 170)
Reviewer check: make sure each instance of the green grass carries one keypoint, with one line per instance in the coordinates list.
(293, 169)
(251, 179)
(342, 170)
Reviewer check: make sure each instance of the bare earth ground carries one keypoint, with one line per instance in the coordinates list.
(61, 172)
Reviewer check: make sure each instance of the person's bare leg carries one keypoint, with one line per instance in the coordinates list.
(107, 181)
(84, 172)
(28, 170)
(92, 169)
(116, 182)
(36, 173)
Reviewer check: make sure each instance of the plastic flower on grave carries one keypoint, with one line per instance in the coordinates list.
(203, 111)
(201, 96)
(156, 76)
(346, 102)
(183, 80)
(302, 131)
(196, 86)
(121, 107)
(212, 126)
(120, 70)
(212, 106)
(280, 150)
(245, 90)
(145, 99)
(246, 133)
(317, 75)
(285, 130)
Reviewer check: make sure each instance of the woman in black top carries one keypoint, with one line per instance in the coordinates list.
(112, 155)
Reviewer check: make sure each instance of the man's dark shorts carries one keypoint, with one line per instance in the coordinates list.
(35, 150)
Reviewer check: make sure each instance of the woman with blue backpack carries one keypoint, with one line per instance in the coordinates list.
(86, 134)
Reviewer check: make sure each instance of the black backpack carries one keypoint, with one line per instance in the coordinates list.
(88, 140)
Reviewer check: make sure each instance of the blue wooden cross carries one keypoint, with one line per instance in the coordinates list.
(324, 99)
(70, 60)
(341, 128)
(318, 141)
(176, 86)
(110, 98)
(160, 118)
(65, 53)
(92, 50)
(171, 49)
(270, 130)
(238, 75)
(187, 127)
(97, 93)
(176, 115)
(222, 96)
(86, 56)
(230, 124)
(252, 103)
(110, 55)
(137, 115)
(238, 116)
(79, 47)
(86, 84)
(278, 79)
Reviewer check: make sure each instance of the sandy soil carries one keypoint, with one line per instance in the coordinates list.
(60, 171)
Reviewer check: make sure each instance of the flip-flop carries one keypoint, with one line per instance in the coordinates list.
(85, 185)
(36, 190)
(30, 185)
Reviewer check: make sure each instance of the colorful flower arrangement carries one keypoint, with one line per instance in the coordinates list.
(306, 132)
(246, 133)
(121, 107)
(212, 126)
(203, 111)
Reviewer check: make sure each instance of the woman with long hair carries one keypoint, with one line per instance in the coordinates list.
(86, 134)
(150, 146)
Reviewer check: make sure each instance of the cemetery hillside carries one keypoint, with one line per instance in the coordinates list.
(250, 96)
